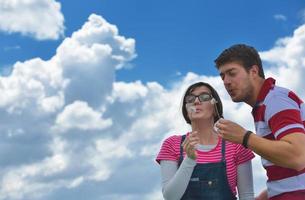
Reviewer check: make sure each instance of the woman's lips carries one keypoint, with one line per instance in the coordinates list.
(198, 109)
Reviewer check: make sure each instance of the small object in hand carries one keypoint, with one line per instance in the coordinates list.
(190, 108)
(215, 128)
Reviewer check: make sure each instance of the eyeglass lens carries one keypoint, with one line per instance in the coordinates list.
(202, 97)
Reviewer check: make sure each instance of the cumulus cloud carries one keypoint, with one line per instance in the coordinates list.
(29, 86)
(21, 181)
(286, 60)
(125, 92)
(90, 57)
(66, 94)
(69, 126)
(25, 16)
(79, 115)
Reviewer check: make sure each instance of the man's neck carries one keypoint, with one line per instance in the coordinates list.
(256, 90)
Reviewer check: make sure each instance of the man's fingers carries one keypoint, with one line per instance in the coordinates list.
(223, 121)
(220, 127)
(220, 133)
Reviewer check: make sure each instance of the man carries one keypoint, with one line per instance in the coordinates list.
(279, 116)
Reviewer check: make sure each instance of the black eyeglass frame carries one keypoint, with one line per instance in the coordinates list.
(201, 97)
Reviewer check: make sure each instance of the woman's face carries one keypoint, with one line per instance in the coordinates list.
(200, 107)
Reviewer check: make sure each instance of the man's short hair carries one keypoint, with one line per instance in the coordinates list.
(243, 54)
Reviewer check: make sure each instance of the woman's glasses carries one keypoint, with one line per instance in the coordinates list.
(202, 97)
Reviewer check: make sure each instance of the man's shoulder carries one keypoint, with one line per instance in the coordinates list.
(278, 94)
(279, 91)
(281, 94)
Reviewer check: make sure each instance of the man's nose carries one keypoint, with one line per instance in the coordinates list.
(226, 80)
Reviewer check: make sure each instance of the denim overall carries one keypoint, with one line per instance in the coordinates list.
(208, 181)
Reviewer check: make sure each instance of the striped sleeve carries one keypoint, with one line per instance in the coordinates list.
(242, 154)
(284, 117)
(170, 149)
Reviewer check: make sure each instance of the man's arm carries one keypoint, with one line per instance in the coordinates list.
(287, 152)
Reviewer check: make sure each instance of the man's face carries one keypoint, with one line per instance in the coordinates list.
(237, 81)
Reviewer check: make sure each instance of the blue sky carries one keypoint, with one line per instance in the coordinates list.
(171, 36)
(90, 90)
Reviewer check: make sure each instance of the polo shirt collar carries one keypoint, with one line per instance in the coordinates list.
(268, 85)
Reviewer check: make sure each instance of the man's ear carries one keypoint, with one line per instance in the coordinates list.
(254, 70)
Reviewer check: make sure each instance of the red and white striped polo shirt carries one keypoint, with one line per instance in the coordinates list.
(279, 112)
(235, 155)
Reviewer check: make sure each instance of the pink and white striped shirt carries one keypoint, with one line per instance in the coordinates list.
(235, 155)
(279, 112)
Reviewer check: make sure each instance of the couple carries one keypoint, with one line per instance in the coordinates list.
(215, 158)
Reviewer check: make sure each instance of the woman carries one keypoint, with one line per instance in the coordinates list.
(200, 165)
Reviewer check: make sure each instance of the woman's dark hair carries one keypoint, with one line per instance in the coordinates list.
(214, 95)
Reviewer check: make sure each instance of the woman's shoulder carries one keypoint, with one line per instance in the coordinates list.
(173, 139)
(170, 149)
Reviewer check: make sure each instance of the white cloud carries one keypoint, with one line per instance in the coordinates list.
(66, 93)
(21, 181)
(106, 150)
(160, 110)
(89, 60)
(113, 130)
(280, 17)
(9, 48)
(79, 115)
(154, 195)
(98, 34)
(287, 60)
(34, 84)
(125, 92)
(26, 16)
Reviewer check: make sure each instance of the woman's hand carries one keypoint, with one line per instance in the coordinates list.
(189, 145)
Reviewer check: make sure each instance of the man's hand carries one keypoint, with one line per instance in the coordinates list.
(230, 131)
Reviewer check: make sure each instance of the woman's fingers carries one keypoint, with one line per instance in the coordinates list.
(190, 143)
(189, 146)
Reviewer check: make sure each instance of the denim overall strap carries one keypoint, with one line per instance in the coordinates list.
(209, 181)
(223, 151)
(181, 151)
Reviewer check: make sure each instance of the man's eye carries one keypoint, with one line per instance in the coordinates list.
(232, 73)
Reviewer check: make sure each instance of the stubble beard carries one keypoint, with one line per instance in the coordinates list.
(245, 95)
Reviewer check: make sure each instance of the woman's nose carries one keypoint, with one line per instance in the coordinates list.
(197, 101)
